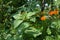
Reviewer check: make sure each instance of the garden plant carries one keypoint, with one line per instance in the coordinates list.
(29, 19)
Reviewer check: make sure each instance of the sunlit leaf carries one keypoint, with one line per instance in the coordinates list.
(48, 31)
(49, 38)
(30, 14)
(32, 31)
(17, 23)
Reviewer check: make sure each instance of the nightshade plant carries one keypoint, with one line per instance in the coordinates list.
(29, 19)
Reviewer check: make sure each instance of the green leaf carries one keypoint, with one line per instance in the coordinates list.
(58, 37)
(33, 19)
(9, 37)
(48, 31)
(28, 16)
(24, 15)
(23, 26)
(20, 16)
(17, 23)
(18, 37)
(49, 38)
(58, 22)
(16, 16)
(57, 2)
(32, 31)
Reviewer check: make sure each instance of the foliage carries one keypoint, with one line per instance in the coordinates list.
(25, 20)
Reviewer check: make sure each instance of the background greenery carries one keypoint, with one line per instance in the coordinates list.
(20, 20)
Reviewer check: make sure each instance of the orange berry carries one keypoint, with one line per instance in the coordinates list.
(43, 18)
(55, 12)
(51, 13)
